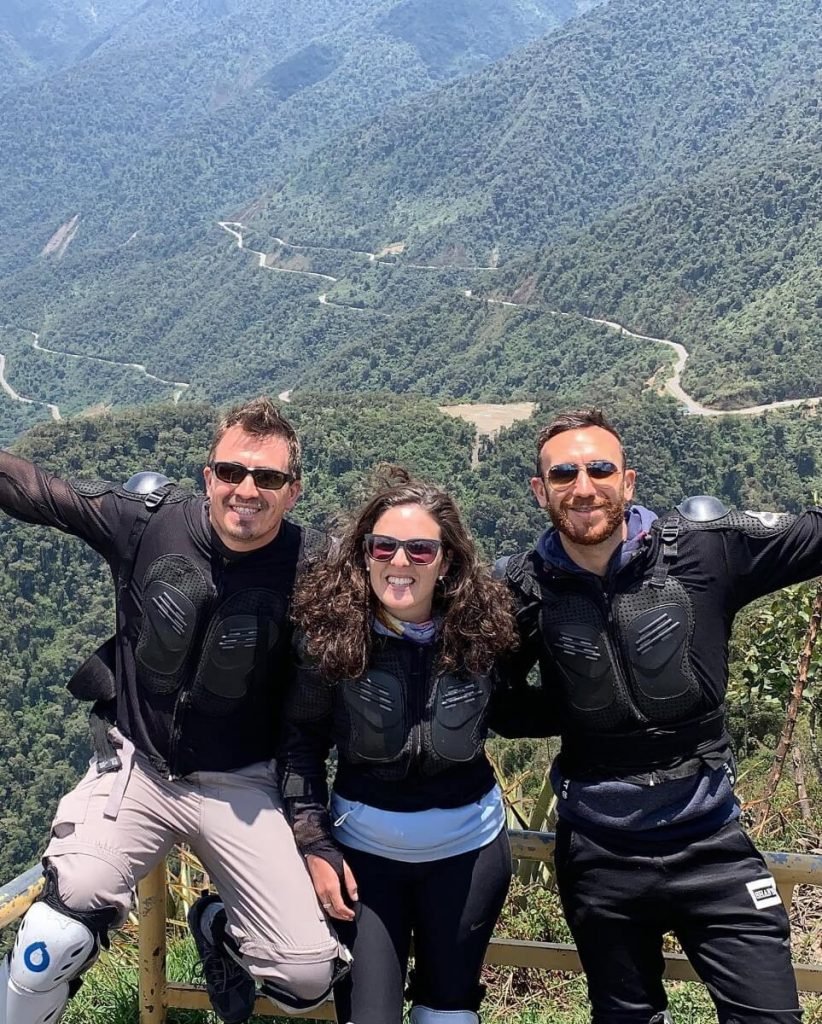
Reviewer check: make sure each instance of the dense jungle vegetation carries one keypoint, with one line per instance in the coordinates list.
(56, 594)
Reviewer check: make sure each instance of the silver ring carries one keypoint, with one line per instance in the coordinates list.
(327, 906)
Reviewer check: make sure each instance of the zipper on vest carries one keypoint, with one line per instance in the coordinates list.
(417, 678)
(607, 595)
(183, 701)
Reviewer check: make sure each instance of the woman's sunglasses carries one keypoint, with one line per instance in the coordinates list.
(265, 479)
(382, 549)
(563, 474)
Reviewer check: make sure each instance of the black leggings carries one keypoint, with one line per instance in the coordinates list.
(450, 906)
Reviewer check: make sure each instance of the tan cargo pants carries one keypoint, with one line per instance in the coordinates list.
(112, 829)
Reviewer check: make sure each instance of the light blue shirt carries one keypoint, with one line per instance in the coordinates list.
(418, 836)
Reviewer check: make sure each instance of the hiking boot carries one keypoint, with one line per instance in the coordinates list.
(230, 987)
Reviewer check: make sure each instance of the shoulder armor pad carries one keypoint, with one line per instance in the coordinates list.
(754, 524)
(702, 508)
(145, 482)
(92, 488)
(500, 567)
(169, 493)
(762, 524)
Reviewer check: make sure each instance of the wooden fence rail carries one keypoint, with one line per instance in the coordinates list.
(157, 994)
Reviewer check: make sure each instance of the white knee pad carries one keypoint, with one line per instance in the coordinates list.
(425, 1015)
(50, 951)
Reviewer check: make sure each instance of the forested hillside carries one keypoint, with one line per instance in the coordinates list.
(612, 106)
(727, 264)
(677, 184)
(696, 168)
(42, 36)
(56, 595)
(190, 107)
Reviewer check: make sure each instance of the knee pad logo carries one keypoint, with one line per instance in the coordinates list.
(36, 957)
(764, 893)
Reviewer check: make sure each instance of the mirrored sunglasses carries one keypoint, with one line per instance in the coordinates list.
(563, 474)
(419, 551)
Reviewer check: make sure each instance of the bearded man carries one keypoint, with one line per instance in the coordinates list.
(629, 617)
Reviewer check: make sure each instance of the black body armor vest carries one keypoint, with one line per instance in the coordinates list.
(631, 700)
(625, 665)
(218, 651)
(402, 716)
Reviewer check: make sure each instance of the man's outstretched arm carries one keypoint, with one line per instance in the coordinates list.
(32, 495)
(767, 551)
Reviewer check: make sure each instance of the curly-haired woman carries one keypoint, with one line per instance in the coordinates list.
(399, 631)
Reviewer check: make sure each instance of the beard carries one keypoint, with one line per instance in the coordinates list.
(614, 511)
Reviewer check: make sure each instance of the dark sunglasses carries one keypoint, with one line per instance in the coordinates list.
(383, 549)
(265, 479)
(563, 474)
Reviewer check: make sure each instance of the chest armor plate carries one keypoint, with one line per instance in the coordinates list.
(632, 671)
(220, 651)
(441, 725)
(458, 716)
(378, 726)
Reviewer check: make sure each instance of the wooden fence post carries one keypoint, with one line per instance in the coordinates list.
(151, 896)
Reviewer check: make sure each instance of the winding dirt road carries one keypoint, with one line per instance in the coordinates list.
(230, 225)
(178, 385)
(235, 228)
(672, 385)
(4, 384)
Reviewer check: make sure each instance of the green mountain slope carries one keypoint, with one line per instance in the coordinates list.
(41, 36)
(727, 265)
(610, 107)
(165, 125)
(694, 169)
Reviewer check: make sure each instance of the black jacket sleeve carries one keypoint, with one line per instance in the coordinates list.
(87, 510)
(306, 740)
(765, 552)
(519, 708)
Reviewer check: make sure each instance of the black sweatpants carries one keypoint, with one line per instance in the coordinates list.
(450, 906)
(715, 894)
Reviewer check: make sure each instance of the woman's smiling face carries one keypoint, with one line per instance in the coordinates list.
(404, 588)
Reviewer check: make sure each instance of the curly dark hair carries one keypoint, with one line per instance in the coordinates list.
(334, 603)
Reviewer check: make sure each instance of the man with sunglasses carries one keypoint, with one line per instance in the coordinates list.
(189, 690)
(629, 617)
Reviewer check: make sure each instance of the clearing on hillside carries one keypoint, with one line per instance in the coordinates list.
(488, 419)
